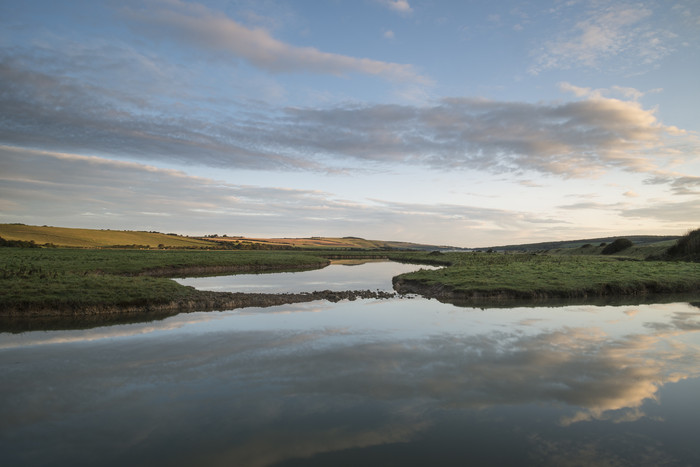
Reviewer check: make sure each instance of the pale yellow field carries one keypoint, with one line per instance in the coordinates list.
(89, 238)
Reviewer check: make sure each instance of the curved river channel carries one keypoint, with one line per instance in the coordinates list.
(404, 381)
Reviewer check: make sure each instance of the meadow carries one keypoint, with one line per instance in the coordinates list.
(540, 276)
(35, 279)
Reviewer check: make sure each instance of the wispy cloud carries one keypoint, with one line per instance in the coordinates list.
(680, 184)
(683, 213)
(81, 190)
(202, 28)
(619, 31)
(573, 139)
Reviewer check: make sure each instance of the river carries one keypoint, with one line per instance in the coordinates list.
(404, 381)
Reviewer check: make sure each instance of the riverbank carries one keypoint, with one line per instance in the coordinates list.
(480, 277)
(47, 282)
(197, 300)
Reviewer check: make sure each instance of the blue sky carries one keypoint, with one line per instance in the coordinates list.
(448, 122)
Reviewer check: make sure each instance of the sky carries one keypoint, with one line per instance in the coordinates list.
(464, 123)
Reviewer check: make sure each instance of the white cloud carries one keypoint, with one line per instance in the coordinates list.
(400, 6)
(205, 29)
(389, 34)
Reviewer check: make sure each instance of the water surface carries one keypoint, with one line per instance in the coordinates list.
(338, 276)
(368, 382)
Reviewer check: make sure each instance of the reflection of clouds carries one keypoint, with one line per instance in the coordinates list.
(605, 378)
(604, 452)
(257, 452)
(261, 397)
(109, 332)
(530, 322)
(680, 321)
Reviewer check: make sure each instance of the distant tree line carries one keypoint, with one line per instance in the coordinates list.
(17, 243)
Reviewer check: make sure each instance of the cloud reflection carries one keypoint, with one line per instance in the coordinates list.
(583, 369)
(266, 396)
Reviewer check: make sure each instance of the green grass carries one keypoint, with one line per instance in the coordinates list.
(80, 261)
(72, 291)
(79, 278)
(635, 251)
(528, 275)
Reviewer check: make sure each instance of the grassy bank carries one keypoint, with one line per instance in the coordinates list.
(32, 280)
(480, 275)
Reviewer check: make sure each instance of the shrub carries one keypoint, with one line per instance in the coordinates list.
(687, 247)
(617, 246)
(17, 243)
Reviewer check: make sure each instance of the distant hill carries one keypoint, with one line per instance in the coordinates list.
(638, 240)
(91, 238)
(328, 243)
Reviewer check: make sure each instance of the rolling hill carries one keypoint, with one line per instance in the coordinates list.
(329, 243)
(639, 240)
(92, 238)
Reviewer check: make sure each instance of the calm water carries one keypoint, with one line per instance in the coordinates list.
(341, 275)
(369, 382)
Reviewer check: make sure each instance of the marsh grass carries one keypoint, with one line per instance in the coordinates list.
(528, 275)
(76, 261)
(65, 279)
(76, 291)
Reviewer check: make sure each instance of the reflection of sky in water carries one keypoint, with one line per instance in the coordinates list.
(368, 276)
(413, 381)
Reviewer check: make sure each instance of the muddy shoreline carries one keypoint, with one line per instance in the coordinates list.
(200, 301)
(77, 317)
(510, 298)
(193, 271)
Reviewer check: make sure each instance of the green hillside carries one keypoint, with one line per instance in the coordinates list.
(90, 238)
(638, 240)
